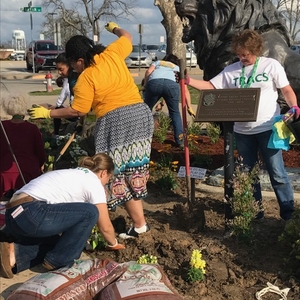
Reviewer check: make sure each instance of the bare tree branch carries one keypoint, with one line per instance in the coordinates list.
(290, 9)
(83, 16)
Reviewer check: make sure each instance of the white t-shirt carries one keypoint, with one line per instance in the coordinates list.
(269, 77)
(64, 94)
(65, 186)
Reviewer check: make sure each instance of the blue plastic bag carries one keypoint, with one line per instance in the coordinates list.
(281, 136)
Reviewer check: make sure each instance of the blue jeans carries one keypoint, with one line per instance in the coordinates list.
(248, 147)
(169, 90)
(56, 233)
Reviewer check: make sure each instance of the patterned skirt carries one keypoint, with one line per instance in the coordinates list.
(125, 134)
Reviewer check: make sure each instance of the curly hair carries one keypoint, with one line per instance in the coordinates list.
(80, 46)
(97, 162)
(15, 105)
(248, 39)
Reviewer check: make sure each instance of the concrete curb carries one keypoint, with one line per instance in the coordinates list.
(201, 186)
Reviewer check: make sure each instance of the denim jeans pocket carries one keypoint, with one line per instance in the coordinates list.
(23, 224)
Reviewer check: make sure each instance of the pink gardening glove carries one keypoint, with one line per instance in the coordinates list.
(297, 111)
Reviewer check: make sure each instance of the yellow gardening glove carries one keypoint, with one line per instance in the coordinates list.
(39, 112)
(191, 112)
(110, 26)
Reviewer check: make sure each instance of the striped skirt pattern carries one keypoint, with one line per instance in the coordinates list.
(125, 134)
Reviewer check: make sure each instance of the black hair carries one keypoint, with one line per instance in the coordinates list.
(60, 81)
(172, 58)
(61, 58)
(80, 46)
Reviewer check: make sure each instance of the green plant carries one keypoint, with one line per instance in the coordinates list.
(213, 131)
(196, 271)
(165, 161)
(244, 206)
(290, 238)
(160, 132)
(194, 128)
(164, 172)
(96, 240)
(147, 259)
(167, 181)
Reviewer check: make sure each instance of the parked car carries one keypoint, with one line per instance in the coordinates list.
(17, 55)
(138, 58)
(44, 53)
(296, 48)
(151, 49)
(191, 59)
(20, 56)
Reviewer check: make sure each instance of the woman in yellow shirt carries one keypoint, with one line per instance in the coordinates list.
(124, 126)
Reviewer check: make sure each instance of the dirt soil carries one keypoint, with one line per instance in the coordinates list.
(235, 270)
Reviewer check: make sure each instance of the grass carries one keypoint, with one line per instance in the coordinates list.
(194, 93)
(45, 93)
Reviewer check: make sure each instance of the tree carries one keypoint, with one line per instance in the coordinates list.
(290, 9)
(173, 27)
(83, 17)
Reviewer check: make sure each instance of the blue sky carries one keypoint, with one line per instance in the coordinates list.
(146, 13)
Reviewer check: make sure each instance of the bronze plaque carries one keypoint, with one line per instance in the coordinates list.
(219, 105)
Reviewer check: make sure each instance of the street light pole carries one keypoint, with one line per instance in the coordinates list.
(53, 24)
(32, 49)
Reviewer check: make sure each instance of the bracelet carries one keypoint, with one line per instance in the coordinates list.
(111, 246)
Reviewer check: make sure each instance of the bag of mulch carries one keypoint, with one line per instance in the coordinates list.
(141, 282)
(80, 282)
(103, 273)
(64, 283)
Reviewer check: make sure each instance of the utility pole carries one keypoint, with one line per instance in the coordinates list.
(53, 24)
(140, 47)
(32, 49)
(95, 37)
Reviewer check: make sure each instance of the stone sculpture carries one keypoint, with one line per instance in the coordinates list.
(212, 23)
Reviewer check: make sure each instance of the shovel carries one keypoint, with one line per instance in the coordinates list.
(63, 150)
(184, 121)
(70, 140)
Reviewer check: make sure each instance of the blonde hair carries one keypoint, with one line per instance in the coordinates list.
(15, 105)
(98, 162)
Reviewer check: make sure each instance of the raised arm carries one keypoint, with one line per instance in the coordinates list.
(115, 29)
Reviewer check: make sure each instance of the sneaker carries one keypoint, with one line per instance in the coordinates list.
(47, 266)
(259, 217)
(134, 232)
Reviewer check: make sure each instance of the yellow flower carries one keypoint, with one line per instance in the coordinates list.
(197, 261)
